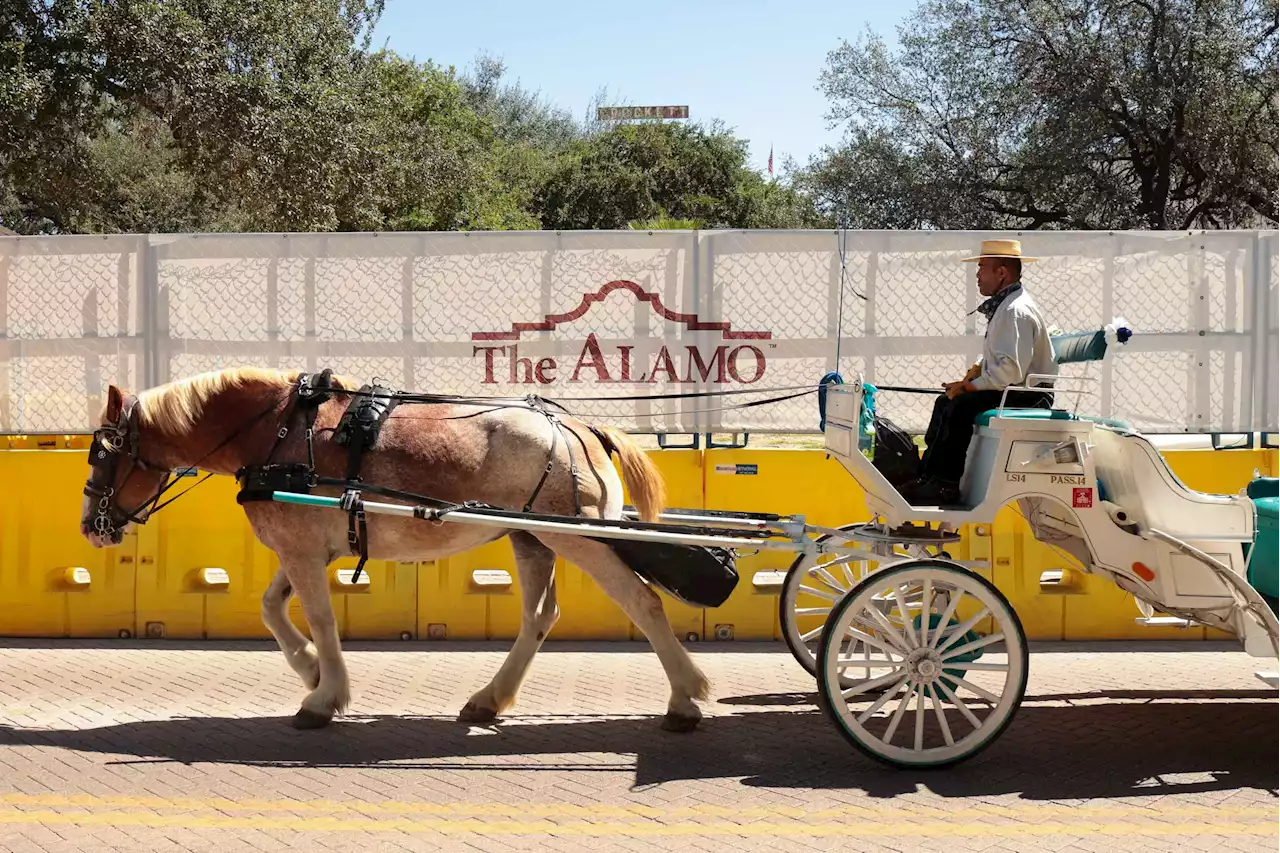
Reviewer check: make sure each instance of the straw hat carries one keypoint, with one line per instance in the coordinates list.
(1000, 249)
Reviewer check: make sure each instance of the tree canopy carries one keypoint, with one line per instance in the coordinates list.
(1090, 114)
(175, 115)
(247, 115)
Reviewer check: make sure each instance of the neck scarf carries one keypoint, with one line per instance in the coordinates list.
(988, 308)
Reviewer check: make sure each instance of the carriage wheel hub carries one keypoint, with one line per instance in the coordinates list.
(925, 665)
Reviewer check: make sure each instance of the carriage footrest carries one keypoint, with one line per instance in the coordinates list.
(1164, 622)
(1061, 582)
(1271, 678)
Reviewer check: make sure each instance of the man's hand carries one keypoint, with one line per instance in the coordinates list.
(955, 389)
(974, 373)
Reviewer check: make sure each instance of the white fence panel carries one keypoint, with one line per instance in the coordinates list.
(634, 315)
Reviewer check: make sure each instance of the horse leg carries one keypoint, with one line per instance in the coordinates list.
(306, 574)
(644, 608)
(298, 652)
(535, 565)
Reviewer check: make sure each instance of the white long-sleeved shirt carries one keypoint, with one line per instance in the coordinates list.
(1017, 344)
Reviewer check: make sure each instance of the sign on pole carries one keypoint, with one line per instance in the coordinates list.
(626, 113)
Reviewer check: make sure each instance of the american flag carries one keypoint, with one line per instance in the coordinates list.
(770, 159)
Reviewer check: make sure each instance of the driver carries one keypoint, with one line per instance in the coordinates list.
(1016, 344)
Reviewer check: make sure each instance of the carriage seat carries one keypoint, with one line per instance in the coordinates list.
(1070, 348)
(984, 419)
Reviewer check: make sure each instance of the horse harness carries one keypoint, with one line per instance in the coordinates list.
(358, 430)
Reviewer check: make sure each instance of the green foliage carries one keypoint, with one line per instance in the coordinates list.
(265, 115)
(1058, 113)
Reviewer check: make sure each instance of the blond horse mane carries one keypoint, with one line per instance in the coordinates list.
(176, 406)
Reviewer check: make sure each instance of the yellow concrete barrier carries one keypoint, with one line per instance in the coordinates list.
(201, 572)
(470, 596)
(796, 482)
(52, 582)
(197, 571)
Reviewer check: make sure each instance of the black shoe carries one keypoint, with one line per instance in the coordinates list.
(932, 492)
(911, 488)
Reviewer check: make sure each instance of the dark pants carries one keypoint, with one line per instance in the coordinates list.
(951, 428)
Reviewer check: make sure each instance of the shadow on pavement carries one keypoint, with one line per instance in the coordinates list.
(1097, 750)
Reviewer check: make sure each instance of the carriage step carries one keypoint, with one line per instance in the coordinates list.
(1271, 678)
(1061, 582)
(1164, 622)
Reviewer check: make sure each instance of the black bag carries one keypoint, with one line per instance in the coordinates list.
(896, 455)
(695, 574)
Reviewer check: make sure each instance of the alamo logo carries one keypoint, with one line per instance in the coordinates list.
(736, 360)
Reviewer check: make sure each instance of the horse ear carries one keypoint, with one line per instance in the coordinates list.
(115, 404)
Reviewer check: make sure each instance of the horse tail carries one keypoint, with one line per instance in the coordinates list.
(641, 475)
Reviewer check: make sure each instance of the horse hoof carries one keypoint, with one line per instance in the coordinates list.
(473, 713)
(305, 719)
(679, 723)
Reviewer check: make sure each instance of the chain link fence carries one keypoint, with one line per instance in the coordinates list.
(638, 316)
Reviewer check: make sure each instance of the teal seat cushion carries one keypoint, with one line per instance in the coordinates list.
(1264, 556)
(984, 419)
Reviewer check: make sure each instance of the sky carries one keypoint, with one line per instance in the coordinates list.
(754, 65)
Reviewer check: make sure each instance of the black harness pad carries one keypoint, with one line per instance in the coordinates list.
(698, 575)
(361, 423)
(259, 481)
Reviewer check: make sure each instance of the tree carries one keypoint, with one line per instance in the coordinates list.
(636, 173)
(1091, 114)
(529, 135)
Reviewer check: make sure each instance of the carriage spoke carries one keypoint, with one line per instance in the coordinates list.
(897, 715)
(820, 593)
(827, 578)
(890, 633)
(977, 665)
(906, 616)
(963, 628)
(994, 700)
(811, 611)
(873, 684)
(926, 605)
(975, 645)
(959, 703)
(884, 697)
(870, 641)
(848, 574)
(920, 691)
(942, 718)
(809, 635)
(946, 617)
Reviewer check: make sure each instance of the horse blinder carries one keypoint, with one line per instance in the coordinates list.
(109, 445)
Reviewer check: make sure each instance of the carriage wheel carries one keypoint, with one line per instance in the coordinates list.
(953, 671)
(813, 585)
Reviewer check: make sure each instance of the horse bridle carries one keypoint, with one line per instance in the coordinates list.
(111, 445)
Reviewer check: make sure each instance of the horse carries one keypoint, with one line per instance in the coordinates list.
(453, 449)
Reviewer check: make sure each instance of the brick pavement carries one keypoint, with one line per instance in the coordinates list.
(186, 747)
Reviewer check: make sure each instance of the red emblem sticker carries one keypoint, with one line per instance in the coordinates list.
(1082, 498)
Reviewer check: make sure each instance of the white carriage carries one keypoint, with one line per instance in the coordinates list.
(917, 690)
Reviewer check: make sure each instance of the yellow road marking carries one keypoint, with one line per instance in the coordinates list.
(649, 828)
(1177, 811)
